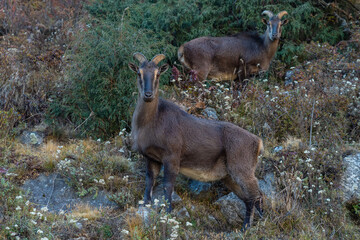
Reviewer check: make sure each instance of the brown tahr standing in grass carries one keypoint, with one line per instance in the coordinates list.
(201, 149)
(233, 57)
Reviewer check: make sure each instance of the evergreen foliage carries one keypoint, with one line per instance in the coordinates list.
(98, 94)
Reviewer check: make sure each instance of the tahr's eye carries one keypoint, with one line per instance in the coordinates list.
(139, 74)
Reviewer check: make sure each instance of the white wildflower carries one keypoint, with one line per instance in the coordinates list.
(16, 225)
(33, 222)
(188, 224)
(306, 151)
(7, 228)
(102, 181)
(40, 231)
(148, 205)
(310, 190)
(110, 177)
(328, 199)
(156, 201)
(125, 231)
(18, 197)
(141, 202)
(44, 238)
(44, 209)
(18, 208)
(98, 140)
(72, 221)
(13, 234)
(107, 142)
(27, 203)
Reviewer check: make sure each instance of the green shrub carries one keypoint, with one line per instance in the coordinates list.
(98, 94)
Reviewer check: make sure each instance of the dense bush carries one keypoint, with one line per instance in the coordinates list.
(98, 92)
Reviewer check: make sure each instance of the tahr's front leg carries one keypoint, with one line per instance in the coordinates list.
(152, 171)
(171, 170)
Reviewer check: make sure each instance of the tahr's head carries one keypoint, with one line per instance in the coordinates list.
(274, 24)
(148, 75)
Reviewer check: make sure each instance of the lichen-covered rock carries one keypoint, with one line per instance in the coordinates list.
(210, 113)
(351, 178)
(267, 185)
(232, 208)
(32, 138)
(197, 187)
(183, 213)
(53, 192)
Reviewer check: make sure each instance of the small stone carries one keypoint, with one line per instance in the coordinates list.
(78, 225)
(197, 187)
(183, 213)
(267, 185)
(232, 208)
(277, 149)
(210, 113)
(32, 138)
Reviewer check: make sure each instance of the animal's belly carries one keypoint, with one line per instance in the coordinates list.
(222, 76)
(206, 174)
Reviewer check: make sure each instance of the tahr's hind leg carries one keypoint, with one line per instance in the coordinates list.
(242, 189)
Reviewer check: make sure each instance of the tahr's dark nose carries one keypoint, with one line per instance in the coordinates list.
(148, 94)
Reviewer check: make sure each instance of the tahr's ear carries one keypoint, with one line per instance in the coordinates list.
(133, 67)
(264, 21)
(163, 68)
(284, 22)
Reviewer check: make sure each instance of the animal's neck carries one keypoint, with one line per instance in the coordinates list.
(271, 46)
(145, 112)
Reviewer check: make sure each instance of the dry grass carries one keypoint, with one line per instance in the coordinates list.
(86, 211)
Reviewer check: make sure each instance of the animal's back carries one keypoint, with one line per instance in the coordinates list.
(221, 57)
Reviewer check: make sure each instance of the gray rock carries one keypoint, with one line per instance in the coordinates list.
(351, 178)
(210, 113)
(183, 213)
(158, 193)
(197, 187)
(277, 149)
(79, 225)
(232, 208)
(32, 138)
(267, 185)
(53, 192)
(289, 78)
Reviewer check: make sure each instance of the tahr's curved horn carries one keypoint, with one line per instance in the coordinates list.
(140, 57)
(281, 14)
(158, 58)
(269, 13)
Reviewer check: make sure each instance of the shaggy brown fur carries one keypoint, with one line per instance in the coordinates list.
(233, 57)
